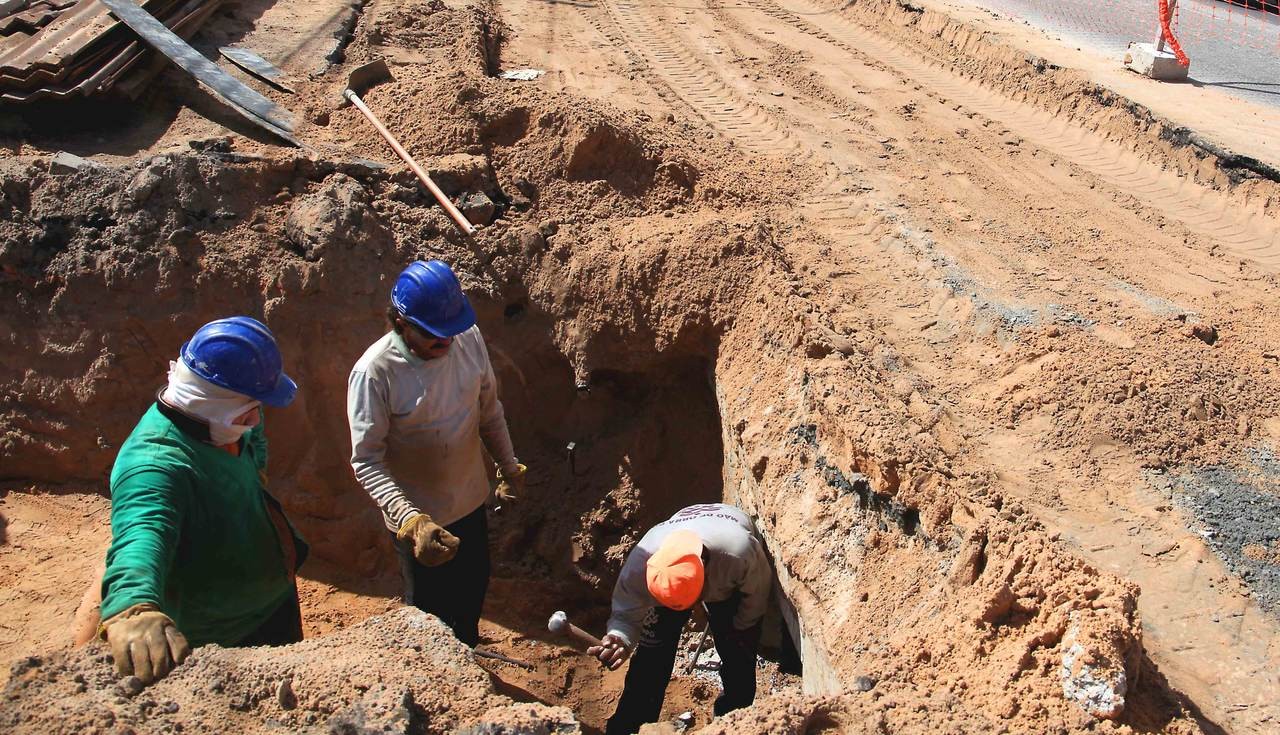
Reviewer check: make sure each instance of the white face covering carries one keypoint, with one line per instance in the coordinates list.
(213, 404)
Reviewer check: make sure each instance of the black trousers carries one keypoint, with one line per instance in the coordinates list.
(282, 628)
(655, 655)
(455, 590)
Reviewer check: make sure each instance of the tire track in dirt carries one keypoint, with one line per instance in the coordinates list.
(1203, 211)
(841, 204)
(943, 276)
(702, 90)
(726, 111)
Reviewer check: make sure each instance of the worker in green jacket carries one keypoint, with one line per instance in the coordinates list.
(200, 552)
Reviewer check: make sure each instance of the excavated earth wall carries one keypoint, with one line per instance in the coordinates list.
(633, 256)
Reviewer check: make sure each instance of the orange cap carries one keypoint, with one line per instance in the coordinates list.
(674, 572)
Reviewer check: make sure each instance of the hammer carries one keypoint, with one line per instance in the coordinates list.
(560, 625)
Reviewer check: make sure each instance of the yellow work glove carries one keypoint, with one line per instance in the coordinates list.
(510, 487)
(432, 545)
(145, 642)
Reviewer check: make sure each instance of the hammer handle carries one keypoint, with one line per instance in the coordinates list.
(452, 211)
(583, 636)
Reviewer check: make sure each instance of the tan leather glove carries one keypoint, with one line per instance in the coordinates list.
(145, 642)
(511, 487)
(432, 545)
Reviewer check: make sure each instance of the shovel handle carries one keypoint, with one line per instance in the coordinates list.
(454, 214)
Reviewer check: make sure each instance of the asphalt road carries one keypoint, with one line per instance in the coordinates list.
(1230, 47)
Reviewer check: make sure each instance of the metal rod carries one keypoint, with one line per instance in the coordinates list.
(1173, 5)
(499, 657)
(702, 642)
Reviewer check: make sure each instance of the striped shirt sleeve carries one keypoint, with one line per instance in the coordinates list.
(369, 416)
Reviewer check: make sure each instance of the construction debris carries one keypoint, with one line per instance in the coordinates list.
(522, 75)
(254, 107)
(60, 48)
(257, 66)
(68, 48)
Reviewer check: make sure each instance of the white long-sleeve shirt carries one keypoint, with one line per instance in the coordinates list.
(735, 562)
(416, 428)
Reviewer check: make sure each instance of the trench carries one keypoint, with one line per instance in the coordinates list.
(615, 453)
(644, 366)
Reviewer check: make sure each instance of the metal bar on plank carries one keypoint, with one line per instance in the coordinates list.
(253, 106)
(256, 65)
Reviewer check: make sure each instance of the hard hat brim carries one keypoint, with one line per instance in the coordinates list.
(282, 394)
(465, 319)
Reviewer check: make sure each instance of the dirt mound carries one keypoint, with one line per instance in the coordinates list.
(401, 672)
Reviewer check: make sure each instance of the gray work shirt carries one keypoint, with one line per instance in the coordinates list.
(734, 562)
(416, 428)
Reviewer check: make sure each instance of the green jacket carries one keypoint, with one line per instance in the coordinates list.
(194, 531)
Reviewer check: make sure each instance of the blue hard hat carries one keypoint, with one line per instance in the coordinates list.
(240, 354)
(428, 295)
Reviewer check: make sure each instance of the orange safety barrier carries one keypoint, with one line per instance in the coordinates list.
(1166, 33)
(1187, 27)
(1248, 23)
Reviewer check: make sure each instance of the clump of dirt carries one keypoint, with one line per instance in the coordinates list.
(336, 215)
(399, 672)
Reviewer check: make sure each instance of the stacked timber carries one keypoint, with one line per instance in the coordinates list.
(64, 48)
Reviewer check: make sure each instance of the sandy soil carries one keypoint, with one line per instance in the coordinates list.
(50, 552)
(972, 339)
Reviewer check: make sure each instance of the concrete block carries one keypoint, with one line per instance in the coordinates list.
(64, 163)
(1163, 65)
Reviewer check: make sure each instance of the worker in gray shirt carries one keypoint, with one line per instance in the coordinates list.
(704, 553)
(420, 401)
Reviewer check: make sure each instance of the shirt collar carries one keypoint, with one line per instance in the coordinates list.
(187, 424)
(405, 352)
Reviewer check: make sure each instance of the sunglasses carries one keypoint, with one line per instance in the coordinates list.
(440, 341)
